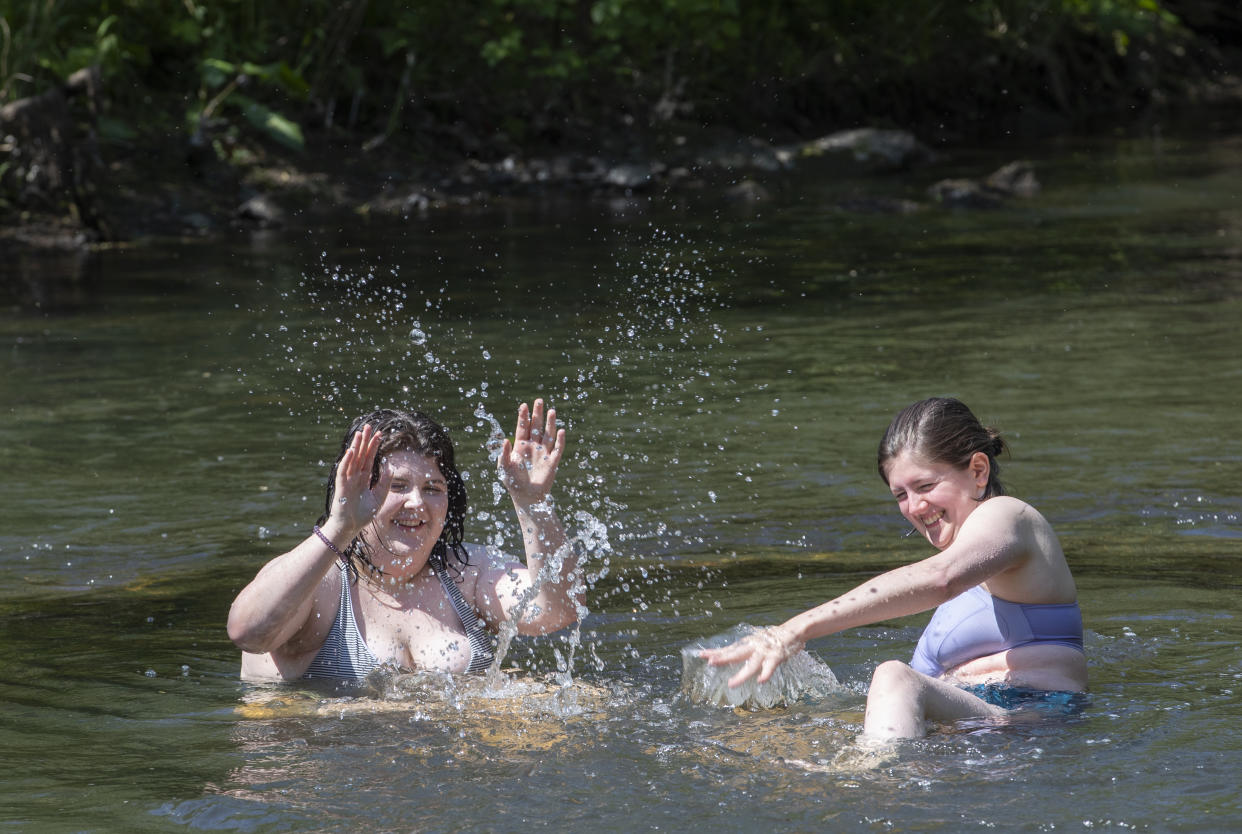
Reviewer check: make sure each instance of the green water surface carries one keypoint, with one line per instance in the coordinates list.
(725, 373)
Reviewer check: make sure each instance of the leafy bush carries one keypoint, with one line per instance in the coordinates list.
(532, 67)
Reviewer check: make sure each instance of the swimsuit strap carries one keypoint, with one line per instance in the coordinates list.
(344, 653)
(481, 653)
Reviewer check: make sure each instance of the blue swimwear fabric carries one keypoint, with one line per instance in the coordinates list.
(976, 624)
(1019, 697)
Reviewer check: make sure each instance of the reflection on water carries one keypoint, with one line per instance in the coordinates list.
(725, 374)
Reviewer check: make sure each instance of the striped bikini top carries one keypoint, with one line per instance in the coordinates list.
(345, 655)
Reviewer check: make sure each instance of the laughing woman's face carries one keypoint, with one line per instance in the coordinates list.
(413, 507)
(936, 498)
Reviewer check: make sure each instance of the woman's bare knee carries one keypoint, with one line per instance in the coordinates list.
(893, 674)
(895, 702)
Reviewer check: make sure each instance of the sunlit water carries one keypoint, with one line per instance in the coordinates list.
(725, 373)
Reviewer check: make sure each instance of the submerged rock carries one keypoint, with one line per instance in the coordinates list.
(875, 148)
(867, 204)
(744, 154)
(633, 176)
(747, 191)
(1016, 179)
(262, 211)
(197, 221)
(964, 193)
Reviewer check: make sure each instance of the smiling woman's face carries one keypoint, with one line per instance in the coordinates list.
(413, 499)
(936, 498)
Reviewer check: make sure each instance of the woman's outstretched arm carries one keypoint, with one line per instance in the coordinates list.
(997, 537)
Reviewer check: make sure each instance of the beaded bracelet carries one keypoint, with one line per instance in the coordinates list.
(328, 542)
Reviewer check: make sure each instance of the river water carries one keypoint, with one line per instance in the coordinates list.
(725, 372)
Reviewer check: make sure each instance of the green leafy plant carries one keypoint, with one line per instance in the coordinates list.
(382, 67)
(222, 81)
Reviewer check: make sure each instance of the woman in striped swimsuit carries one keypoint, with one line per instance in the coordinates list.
(384, 578)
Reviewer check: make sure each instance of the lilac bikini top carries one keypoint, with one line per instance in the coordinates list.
(976, 624)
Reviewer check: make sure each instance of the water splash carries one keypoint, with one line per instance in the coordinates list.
(648, 362)
(801, 676)
(345, 340)
(496, 435)
(588, 542)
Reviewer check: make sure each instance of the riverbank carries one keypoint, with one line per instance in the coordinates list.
(190, 127)
(133, 190)
(126, 191)
(82, 184)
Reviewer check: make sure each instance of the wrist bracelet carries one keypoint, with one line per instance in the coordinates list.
(328, 542)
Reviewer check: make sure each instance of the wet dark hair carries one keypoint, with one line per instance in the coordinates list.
(942, 430)
(409, 431)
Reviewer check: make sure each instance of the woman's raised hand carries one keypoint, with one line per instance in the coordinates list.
(528, 462)
(354, 503)
(759, 653)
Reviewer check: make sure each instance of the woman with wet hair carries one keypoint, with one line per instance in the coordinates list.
(1007, 631)
(385, 580)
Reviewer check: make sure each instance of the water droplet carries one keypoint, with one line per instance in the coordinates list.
(496, 439)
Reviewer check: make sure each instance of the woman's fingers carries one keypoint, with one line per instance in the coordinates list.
(353, 475)
(522, 431)
(746, 672)
(768, 667)
(759, 656)
(723, 656)
(558, 447)
(504, 461)
(371, 448)
(549, 428)
(349, 461)
(529, 461)
(537, 425)
(538, 431)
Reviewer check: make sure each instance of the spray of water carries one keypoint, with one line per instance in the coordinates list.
(348, 341)
(801, 676)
